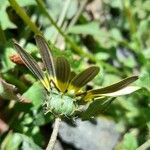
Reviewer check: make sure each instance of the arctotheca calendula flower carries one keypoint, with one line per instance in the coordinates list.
(65, 93)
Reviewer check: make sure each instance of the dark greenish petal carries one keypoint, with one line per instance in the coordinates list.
(72, 75)
(46, 55)
(32, 65)
(62, 73)
(117, 89)
(124, 91)
(83, 78)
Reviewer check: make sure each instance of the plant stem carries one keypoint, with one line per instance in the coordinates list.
(76, 48)
(144, 146)
(2, 37)
(23, 15)
(132, 24)
(77, 15)
(62, 17)
(53, 137)
(63, 12)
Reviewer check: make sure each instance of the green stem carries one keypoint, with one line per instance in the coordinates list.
(76, 48)
(130, 19)
(2, 37)
(132, 24)
(77, 15)
(63, 12)
(23, 15)
(62, 17)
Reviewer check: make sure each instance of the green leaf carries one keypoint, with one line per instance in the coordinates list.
(146, 113)
(102, 56)
(96, 107)
(126, 58)
(6, 62)
(116, 34)
(17, 141)
(144, 81)
(129, 142)
(27, 143)
(101, 35)
(36, 93)
(72, 10)
(26, 3)
(4, 19)
(146, 53)
(42, 119)
(56, 7)
(11, 142)
(89, 29)
(116, 4)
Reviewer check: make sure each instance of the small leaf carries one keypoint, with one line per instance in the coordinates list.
(83, 78)
(144, 81)
(36, 93)
(96, 107)
(27, 143)
(62, 73)
(129, 142)
(11, 142)
(4, 18)
(5, 60)
(90, 28)
(17, 141)
(26, 3)
(41, 119)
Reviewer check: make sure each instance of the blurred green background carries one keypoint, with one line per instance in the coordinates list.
(113, 34)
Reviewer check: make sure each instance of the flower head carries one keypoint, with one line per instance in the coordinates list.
(65, 88)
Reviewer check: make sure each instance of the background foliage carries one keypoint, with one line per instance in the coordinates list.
(111, 34)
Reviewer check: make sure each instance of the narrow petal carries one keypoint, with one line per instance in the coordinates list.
(46, 55)
(72, 75)
(83, 78)
(32, 65)
(124, 91)
(62, 73)
(115, 89)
